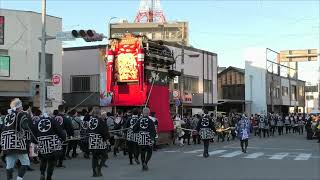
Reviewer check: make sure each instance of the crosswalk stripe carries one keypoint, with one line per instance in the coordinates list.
(214, 152)
(232, 154)
(194, 151)
(171, 151)
(279, 156)
(302, 157)
(254, 155)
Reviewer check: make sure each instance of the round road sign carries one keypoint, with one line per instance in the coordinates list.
(56, 79)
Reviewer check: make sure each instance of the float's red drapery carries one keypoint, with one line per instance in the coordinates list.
(159, 103)
(128, 95)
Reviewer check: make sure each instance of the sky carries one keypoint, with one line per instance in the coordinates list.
(226, 27)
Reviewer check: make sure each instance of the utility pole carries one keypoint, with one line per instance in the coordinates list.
(297, 90)
(43, 60)
(271, 90)
(182, 80)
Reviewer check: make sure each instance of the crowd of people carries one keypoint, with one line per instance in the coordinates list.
(261, 125)
(28, 135)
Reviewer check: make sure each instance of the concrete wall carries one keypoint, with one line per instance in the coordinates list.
(79, 62)
(255, 80)
(22, 30)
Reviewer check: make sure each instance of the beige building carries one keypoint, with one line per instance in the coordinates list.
(20, 51)
(170, 32)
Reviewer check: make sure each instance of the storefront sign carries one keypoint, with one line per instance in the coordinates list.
(53, 92)
(187, 97)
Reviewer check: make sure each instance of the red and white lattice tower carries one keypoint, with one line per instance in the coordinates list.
(150, 11)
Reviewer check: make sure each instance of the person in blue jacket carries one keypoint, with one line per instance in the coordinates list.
(243, 132)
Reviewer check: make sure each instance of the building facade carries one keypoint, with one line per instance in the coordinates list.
(271, 87)
(231, 90)
(84, 76)
(170, 31)
(197, 85)
(20, 52)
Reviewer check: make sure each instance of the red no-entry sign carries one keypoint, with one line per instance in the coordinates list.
(56, 79)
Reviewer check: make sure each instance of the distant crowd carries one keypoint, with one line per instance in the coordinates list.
(261, 125)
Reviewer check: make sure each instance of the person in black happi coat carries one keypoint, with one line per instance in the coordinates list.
(49, 135)
(147, 133)
(98, 136)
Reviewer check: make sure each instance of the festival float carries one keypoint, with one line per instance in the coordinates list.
(138, 73)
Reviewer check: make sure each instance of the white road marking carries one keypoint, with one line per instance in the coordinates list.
(171, 151)
(302, 157)
(288, 149)
(214, 152)
(279, 156)
(232, 154)
(254, 155)
(194, 151)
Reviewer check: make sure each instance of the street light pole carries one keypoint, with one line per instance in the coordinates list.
(43, 60)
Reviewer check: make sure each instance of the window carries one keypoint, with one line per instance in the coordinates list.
(49, 65)
(207, 86)
(277, 92)
(80, 83)
(285, 91)
(310, 97)
(293, 92)
(191, 84)
(300, 90)
(4, 66)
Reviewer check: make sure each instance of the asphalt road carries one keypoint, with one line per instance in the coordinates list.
(288, 157)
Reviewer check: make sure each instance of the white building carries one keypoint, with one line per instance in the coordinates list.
(20, 56)
(270, 87)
